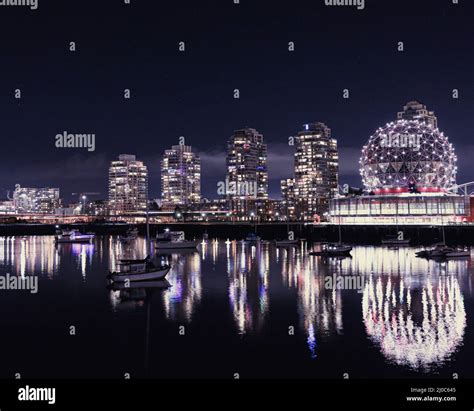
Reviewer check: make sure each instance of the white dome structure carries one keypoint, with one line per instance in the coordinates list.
(408, 154)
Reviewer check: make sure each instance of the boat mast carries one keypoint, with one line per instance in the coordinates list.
(340, 234)
(147, 230)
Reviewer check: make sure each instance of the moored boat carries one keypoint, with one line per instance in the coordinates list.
(174, 240)
(139, 270)
(73, 236)
(333, 249)
(442, 251)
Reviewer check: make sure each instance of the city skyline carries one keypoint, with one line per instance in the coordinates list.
(191, 93)
(192, 180)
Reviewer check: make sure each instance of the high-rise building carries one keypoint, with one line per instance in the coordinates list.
(128, 185)
(287, 188)
(180, 177)
(414, 110)
(35, 200)
(247, 174)
(316, 171)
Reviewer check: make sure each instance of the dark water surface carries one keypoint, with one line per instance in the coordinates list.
(256, 311)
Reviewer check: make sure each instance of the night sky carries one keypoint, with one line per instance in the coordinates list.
(190, 94)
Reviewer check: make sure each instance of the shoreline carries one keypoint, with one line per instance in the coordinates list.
(352, 234)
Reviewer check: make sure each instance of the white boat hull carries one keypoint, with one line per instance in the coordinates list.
(158, 274)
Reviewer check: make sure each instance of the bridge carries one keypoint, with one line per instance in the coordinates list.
(466, 189)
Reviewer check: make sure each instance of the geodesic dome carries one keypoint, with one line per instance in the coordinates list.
(408, 152)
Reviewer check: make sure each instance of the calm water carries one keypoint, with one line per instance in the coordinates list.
(237, 304)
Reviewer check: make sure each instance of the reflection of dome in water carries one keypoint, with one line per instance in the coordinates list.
(408, 152)
(419, 328)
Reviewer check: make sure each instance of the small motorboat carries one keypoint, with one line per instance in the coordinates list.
(139, 270)
(174, 240)
(73, 236)
(333, 249)
(286, 243)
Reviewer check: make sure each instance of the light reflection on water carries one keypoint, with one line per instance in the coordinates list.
(412, 310)
(417, 326)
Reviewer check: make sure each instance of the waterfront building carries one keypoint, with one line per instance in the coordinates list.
(7, 207)
(316, 171)
(180, 177)
(27, 200)
(128, 185)
(247, 175)
(408, 169)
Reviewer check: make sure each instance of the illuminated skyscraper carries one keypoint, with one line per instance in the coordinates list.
(414, 110)
(35, 200)
(287, 188)
(247, 174)
(128, 185)
(180, 176)
(316, 171)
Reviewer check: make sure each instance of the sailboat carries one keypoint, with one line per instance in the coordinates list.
(334, 249)
(140, 270)
(441, 251)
